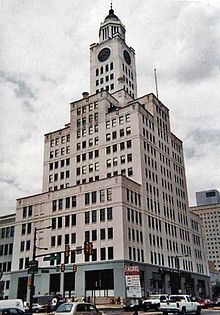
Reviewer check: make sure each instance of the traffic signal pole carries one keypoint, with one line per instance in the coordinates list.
(32, 288)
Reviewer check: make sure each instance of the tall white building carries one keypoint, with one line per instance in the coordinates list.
(114, 176)
(208, 209)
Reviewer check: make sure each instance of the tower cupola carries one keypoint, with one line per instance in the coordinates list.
(111, 27)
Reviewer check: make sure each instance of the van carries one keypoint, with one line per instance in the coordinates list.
(14, 303)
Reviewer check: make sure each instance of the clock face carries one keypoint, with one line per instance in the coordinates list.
(127, 57)
(104, 54)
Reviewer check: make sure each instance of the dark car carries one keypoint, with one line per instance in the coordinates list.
(11, 311)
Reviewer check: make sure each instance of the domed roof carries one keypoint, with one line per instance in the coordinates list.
(111, 16)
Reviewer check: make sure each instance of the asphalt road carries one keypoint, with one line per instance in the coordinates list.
(113, 311)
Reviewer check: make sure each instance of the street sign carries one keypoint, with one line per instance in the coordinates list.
(132, 281)
(33, 264)
(50, 257)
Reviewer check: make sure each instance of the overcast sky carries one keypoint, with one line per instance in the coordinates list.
(44, 64)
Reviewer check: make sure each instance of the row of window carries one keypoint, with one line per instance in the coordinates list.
(157, 258)
(146, 121)
(153, 205)
(115, 147)
(135, 254)
(135, 235)
(123, 159)
(24, 246)
(7, 232)
(134, 216)
(106, 68)
(90, 155)
(59, 222)
(128, 172)
(87, 180)
(68, 239)
(119, 120)
(103, 234)
(62, 151)
(62, 186)
(61, 176)
(57, 164)
(89, 131)
(127, 71)
(60, 140)
(133, 197)
(6, 249)
(5, 266)
(122, 132)
(27, 212)
(155, 240)
(106, 79)
(103, 215)
(26, 228)
(87, 168)
(160, 112)
(148, 135)
(66, 203)
(107, 88)
(84, 120)
(89, 143)
(87, 108)
(98, 196)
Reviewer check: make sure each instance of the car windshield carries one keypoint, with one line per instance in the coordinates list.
(153, 297)
(176, 298)
(64, 308)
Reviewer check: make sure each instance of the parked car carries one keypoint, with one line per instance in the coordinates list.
(74, 308)
(205, 303)
(11, 311)
(153, 301)
(12, 303)
(132, 305)
(39, 308)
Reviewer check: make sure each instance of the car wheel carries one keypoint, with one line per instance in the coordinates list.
(183, 311)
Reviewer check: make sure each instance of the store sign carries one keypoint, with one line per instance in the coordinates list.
(132, 281)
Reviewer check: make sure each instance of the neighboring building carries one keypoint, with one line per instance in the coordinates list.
(207, 197)
(114, 176)
(209, 213)
(7, 227)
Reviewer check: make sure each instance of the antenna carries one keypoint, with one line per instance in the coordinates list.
(155, 78)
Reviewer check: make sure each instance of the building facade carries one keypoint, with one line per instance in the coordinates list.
(7, 228)
(113, 176)
(208, 209)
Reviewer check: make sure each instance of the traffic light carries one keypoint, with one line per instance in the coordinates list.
(74, 268)
(67, 250)
(86, 247)
(62, 267)
(90, 248)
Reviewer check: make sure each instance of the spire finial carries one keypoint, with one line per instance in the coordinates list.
(111, 5)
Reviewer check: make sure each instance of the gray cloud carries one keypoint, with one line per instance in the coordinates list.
(205, 136)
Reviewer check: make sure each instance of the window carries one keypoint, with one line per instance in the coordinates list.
(102, 254)
(129, 157)
(114, 135)
(129, 144)
(87, 217)
(87, 198)
(122, 159)
(73, 219)
(122, 132)
(59, 240)
(114, 148)
(60, 223)
(128, 130)
(102, 215)
(109, 194)
(60, 204)
(102, 195)
(122, 146)
(110, 253)
(102, 234)
(108, 163)
(67, 221)
(22, 246)
(73, 238)
(109, 213)
(108, 150)
(110, 233)
(108, 137)
(94, 196)
(74, 201)
(94, 216)
(111, 66)
(28, 228)
(94, 235)
(53, 241)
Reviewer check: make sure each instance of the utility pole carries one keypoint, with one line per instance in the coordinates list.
(34, 264)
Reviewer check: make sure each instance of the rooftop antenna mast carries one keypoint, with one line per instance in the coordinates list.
(155, 78)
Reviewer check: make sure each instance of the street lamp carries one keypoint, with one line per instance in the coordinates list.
(34, 256)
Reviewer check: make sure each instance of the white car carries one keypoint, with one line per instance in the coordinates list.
(153, 301)
(77, 308)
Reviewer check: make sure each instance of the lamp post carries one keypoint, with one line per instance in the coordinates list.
(34, 256)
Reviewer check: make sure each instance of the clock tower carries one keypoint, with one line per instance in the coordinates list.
(112, 62)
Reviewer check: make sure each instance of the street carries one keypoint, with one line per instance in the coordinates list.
(114, 311)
